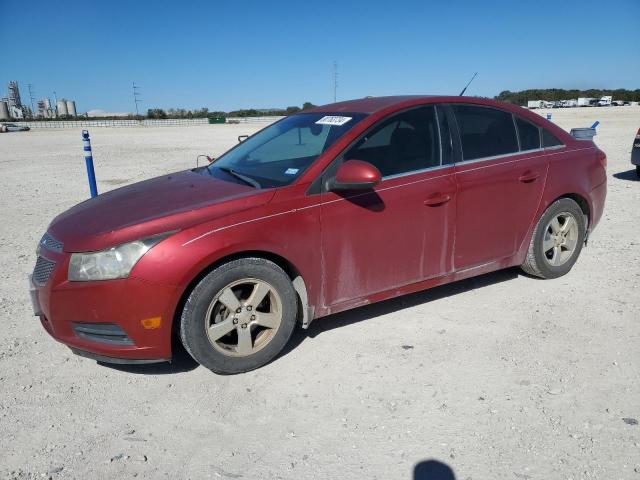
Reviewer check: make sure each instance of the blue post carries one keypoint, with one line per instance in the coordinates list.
(595, 124)
(548, 116)
(88, 159)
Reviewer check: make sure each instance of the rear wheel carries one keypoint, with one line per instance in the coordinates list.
(638, 171)
(240, 316)
(556, 241)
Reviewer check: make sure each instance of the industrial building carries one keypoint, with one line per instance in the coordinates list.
(11, 106)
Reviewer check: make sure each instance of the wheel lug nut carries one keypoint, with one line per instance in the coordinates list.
(238, 310)
(249, 307)
(253, 317)
(244, 325)
(235, 321)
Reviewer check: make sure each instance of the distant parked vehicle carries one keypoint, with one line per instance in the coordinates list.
(635, 153)
(12, 127)
(587, 102)
(569, 103)
(605, 101)
(532, 104)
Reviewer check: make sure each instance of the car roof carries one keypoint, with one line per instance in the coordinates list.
(384, 105)
(375, 104)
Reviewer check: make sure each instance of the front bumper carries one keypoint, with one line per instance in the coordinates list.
(62, 306)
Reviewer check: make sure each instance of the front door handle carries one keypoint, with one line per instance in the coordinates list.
(437, 199)
(528, 177)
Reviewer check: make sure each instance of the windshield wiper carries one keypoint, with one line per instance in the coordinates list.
(244, 178)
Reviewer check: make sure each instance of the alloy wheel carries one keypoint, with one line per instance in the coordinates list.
(243, 317)
(560, 239)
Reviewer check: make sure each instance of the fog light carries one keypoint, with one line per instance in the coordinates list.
(151, 323)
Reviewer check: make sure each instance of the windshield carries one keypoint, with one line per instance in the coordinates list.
(280, 153)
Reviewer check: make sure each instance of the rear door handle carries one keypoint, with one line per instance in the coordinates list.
(437, 199)
(528, 177)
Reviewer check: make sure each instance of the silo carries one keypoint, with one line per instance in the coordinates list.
(61, 106)
(71, 108)
(4, 111)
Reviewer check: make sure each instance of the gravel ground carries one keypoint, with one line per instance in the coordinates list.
(501, 376)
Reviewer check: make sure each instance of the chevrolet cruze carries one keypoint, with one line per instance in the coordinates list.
(321, 212)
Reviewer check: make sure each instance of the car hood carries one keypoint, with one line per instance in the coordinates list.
(162, 204)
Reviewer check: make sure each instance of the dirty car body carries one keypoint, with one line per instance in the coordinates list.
(457, 187)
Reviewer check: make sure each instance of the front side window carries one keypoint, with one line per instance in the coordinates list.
(404, 143)
(280, 153)
(485, 132)
(529, 135)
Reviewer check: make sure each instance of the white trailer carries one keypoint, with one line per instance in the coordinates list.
(586, 101)
(535, 104)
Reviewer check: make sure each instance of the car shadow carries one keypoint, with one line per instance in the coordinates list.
(181, 362)
(432, 470)
(367, 312)
(628, 175)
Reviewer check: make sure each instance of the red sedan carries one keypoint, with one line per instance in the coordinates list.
(323, 211)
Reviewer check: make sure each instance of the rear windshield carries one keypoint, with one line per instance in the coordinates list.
(280, 153)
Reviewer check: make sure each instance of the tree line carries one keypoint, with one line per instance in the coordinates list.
(553, 94)
(159, 113)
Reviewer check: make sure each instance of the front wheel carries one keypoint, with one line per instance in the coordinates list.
(557, 240)
(240, 316)
(638, 171)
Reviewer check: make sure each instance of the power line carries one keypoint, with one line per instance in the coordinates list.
(29, 86)
(136, 94)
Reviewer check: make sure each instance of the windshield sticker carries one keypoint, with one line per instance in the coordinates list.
(333, 120)
(291, 171)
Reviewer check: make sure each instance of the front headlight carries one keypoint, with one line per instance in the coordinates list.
(115, 262)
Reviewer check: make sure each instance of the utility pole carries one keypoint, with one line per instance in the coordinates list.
(29, 86)
(136, 94)
(335, 81)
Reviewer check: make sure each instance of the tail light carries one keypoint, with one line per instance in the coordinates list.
(602, 157)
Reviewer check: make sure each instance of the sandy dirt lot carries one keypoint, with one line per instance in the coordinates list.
(501, 376)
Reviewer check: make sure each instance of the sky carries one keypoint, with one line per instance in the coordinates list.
(226, 55)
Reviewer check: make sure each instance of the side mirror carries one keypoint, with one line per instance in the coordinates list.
(355, 175)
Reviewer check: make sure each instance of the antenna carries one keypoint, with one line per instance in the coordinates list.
(335, 81)
(136, 94)
(29, 86)
(465, 87)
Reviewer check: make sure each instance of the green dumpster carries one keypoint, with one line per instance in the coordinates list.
(213, 120)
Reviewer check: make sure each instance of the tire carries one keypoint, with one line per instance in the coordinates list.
(638, 171)
(206, 314)
(560, 258)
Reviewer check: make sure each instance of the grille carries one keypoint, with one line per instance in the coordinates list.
(51, 243)
(43, 270)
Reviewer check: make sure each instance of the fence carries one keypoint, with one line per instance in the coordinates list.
(169, 122)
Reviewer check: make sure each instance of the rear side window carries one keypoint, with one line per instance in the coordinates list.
(549, 139)
(529, 135)
(485, 132)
